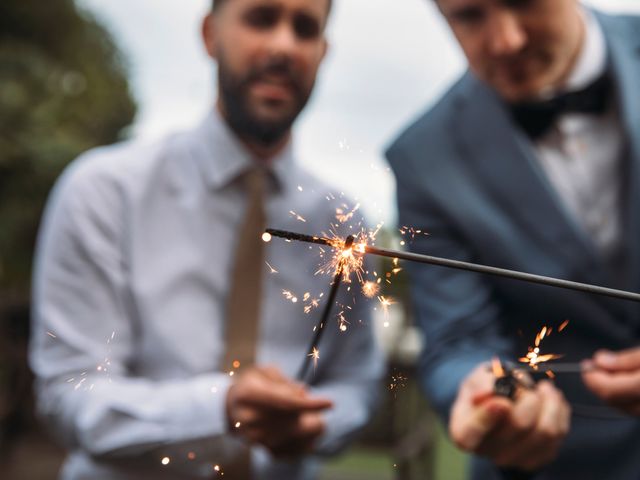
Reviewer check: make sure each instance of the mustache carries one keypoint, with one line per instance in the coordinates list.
(276, 67)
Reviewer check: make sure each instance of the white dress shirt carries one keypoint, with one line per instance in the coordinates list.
(130, 284)
(582, 155)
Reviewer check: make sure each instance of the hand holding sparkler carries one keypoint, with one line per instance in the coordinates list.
(266, 408)
(524, 432)
(615, 378)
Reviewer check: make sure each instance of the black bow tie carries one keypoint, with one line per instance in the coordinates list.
(536, 118)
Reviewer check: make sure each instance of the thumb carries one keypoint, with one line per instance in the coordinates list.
(480, 421)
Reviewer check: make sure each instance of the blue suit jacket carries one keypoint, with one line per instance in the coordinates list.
(470, 178)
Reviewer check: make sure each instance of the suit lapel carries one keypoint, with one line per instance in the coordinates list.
(624, 49)
(508, 167)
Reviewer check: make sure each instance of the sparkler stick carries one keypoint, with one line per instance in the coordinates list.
(473, 267)
(337, 280)
(502, 272)
(300, 237)
(559, 368)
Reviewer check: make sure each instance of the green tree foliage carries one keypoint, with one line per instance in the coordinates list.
(63, 89)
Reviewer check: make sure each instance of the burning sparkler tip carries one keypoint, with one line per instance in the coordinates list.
(349, 241)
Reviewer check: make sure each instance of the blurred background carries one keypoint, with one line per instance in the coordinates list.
(77, 74)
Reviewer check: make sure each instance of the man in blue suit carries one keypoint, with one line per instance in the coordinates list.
(532, 162)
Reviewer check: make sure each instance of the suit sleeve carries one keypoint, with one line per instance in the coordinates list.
(454, 309)
(84, 338)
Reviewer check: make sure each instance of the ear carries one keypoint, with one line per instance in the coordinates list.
(325, 48)
(209, 35)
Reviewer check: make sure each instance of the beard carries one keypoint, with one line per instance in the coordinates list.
(244, 117)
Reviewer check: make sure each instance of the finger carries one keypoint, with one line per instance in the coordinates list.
(308, 429)
(272, 430)
(259, 391)
(476, 410)
(626, 360)
(285, 400)
(311, 425)
(525, 412)
(540, 446)
(272, 373)
(478, 386)
(479, 380)
(555, 412)
(514, 430)
(500, 443)
(470, 424)
(614, 388)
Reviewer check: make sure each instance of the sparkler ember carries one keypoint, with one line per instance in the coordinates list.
(534, 356)
(537, 362)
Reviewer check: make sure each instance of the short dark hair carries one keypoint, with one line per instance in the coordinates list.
(215, 4)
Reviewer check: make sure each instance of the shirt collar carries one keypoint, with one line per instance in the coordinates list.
(592, 60)
(224, 158)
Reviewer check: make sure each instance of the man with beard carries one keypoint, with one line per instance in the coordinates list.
(162, 344)
(531, 162)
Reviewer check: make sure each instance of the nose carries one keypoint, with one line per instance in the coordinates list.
(283, 40)
(506, 34)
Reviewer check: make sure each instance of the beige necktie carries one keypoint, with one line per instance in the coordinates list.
(243, 302)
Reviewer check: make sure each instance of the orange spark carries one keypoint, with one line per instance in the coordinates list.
(496, 368)
(370, 289)
(533, 357)
(343, 214)
(315, 354)
(271, 269)
(397, 381)
(311, 303)
(386, 302)
(300, 218)
(290, 296)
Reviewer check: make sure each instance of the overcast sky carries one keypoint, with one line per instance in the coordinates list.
(389, 60)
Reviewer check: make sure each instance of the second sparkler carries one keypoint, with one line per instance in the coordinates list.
(363, 248)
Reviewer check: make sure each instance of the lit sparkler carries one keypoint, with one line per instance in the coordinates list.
(534, 357)
(536, 361)
(363, 248)
(505, 384)
(342, 265)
